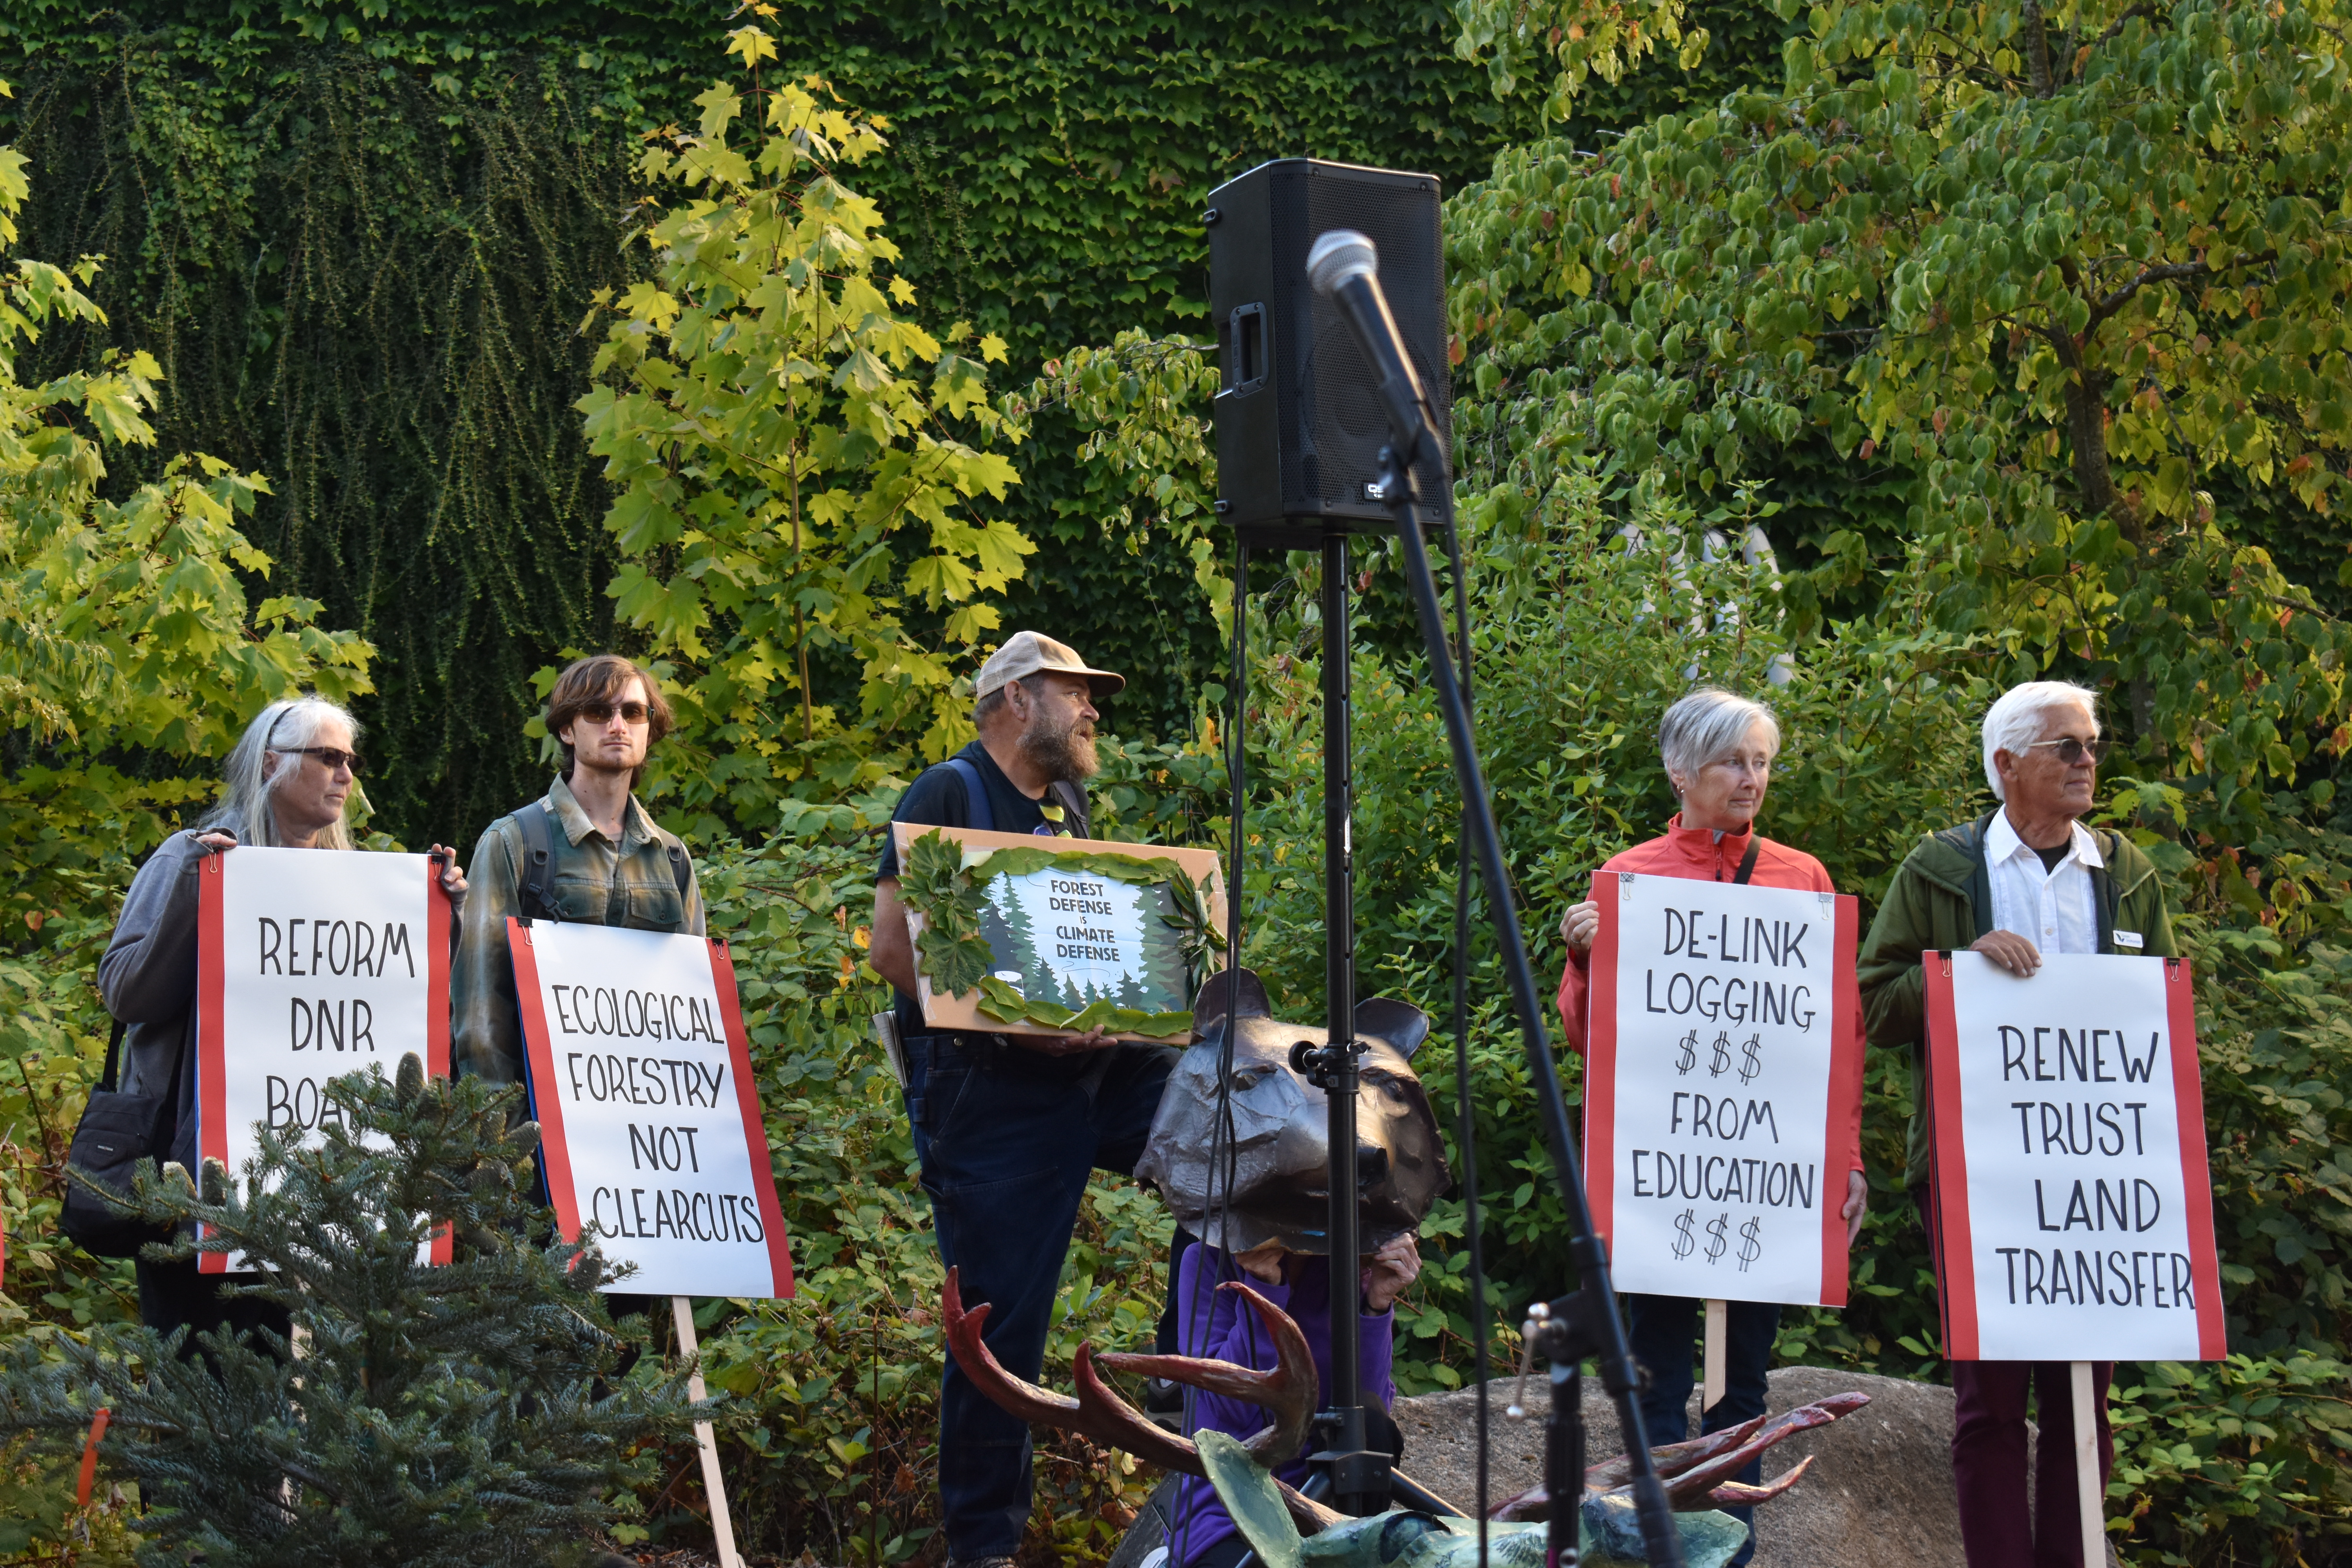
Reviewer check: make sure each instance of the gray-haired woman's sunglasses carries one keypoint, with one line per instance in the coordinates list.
(333, 756)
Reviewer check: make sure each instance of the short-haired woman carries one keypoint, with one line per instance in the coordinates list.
(1718, 749)
(286, 785)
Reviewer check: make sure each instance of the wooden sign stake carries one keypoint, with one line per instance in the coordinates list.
(722, 1526)
(1718, 1322)
(2090, 1496)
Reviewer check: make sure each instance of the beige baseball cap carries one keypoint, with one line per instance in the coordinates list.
(1033, 653)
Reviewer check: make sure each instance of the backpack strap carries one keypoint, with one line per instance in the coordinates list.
(537, 850)
(1980, 874)
(1968, 839)
(982, 815)
(113, 1058)
(1074, 801)
(976, 808)
(1747, 861)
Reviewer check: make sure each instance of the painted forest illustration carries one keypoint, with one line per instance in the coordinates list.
(1075, 938)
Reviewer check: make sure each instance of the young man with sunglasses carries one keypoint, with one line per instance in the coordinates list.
(585, 851)
(2025, 879)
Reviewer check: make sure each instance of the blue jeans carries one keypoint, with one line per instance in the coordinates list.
(1007, 1138)
(1662, 1329)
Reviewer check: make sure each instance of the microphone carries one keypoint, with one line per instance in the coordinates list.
(1345, 267)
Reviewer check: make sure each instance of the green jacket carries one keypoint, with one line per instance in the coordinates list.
(1933, 906)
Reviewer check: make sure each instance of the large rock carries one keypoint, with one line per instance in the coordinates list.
(1879, 1492)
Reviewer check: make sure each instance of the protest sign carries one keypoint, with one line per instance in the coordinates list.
(1721, 1079)
(2074, 1208)
(311, 963)
(640, 1077)
(1050, 936)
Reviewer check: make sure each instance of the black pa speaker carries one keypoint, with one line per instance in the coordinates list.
(1300, 425)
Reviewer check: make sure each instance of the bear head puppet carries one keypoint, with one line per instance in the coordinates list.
(1268, 1179)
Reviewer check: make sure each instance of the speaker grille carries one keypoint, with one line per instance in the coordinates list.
(1345, 423)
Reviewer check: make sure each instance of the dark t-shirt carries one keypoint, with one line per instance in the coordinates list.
(937, 799)
(2056, 853)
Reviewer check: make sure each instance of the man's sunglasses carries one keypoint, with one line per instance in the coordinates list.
(2071, 751)
(329, 755)
(602, 712)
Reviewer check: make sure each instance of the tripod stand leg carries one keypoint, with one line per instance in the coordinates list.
(1564, 1462)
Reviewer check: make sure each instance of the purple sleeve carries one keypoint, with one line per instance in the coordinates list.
(1378, 1342)
(1220, 1326)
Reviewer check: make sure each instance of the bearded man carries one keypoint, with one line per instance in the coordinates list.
(1009, 1130)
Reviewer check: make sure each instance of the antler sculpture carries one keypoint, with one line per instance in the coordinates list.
(1697, 1472)
(1288, 1391)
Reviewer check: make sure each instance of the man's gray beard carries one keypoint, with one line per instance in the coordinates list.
(1063, 754)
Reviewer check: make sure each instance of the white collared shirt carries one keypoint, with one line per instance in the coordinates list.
(2055, 910)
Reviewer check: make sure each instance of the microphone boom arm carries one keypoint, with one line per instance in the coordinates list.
(1344, 267)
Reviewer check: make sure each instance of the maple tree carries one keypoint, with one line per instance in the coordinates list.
(800, 466)
(2058, 270)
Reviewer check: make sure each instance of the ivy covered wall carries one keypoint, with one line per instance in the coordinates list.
(361, 239)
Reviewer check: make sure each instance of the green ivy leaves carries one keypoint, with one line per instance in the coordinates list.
(933, 883)
(124, 624)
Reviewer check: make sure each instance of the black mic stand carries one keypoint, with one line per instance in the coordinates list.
(1585, 1321)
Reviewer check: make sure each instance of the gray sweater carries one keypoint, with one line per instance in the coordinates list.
(148, 980)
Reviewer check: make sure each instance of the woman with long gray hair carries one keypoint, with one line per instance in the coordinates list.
(289, 780)
(1718, 749)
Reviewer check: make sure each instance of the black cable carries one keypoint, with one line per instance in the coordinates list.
(1216, 1207)
(1585, 1251)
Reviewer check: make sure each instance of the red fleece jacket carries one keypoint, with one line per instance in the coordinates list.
(1696, 853)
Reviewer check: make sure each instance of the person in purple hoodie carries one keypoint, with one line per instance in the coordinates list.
(1215, 1323)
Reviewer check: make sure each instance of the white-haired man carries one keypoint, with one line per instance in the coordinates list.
(287, 782)
(2025, 879)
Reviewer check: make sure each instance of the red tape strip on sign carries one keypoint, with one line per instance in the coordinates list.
(89, 1457)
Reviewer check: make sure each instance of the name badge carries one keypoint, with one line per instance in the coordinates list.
(2129, 939)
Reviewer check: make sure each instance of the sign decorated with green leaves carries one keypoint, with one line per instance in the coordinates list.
(1066, 937)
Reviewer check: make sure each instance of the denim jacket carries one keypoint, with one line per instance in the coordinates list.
(590, 879)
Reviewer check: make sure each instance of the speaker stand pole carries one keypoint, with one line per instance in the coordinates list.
(1356, 1480)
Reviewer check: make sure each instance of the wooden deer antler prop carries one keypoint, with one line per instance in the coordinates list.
(1695, 1472)
(1288, 1391)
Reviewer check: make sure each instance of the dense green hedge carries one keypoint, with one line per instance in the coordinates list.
(359, 239)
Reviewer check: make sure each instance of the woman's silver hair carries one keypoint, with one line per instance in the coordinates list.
(1709, 724)
(283, 728)
(2014, 722)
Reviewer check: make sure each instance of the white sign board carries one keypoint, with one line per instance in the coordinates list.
(311, 964)
(2074, 1209)
(1721, 1076)
(640, 1078)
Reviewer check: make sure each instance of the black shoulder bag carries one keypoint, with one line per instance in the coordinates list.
(117, 1132)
